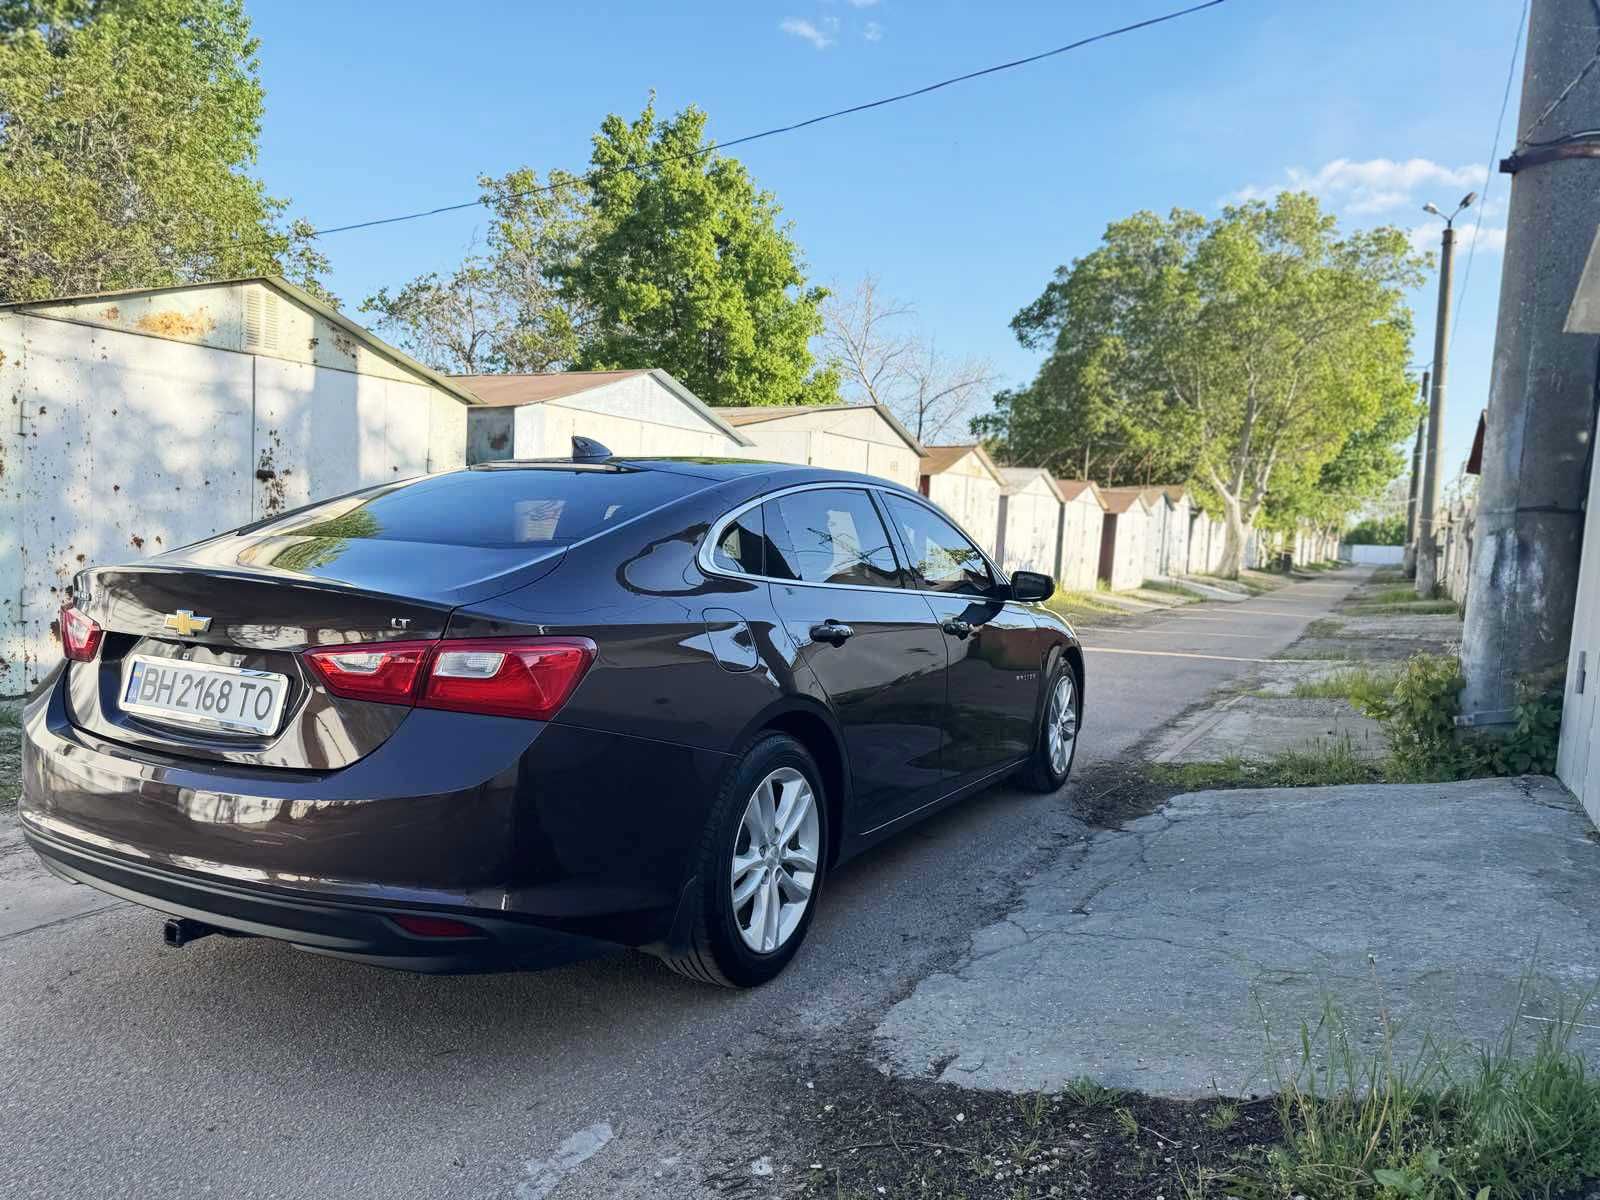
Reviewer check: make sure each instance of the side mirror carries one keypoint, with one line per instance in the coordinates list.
(1031, 586)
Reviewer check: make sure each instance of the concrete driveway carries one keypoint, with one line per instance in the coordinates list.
(246, 1069)
(1158, 957)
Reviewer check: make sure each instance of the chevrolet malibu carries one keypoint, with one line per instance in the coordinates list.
(520, 712)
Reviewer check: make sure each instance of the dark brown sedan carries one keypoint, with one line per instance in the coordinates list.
(520, 712)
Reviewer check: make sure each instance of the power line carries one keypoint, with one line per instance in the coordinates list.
(1494, 153)
(776, 130)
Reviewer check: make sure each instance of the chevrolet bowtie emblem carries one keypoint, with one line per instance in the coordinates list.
(185, 622)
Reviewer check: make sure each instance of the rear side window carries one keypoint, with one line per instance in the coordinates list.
(740, 549)
(942, 558)
(829, 536)
(500, 508)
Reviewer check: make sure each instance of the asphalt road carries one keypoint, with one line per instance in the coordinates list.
(247, 1069)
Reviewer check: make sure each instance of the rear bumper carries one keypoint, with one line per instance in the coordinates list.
(361, 931)
(554, 840)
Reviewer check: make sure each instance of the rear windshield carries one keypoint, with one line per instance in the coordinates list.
(533, 506)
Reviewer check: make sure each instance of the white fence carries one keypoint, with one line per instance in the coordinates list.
(1372, 556)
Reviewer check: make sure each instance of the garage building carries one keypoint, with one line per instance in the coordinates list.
(1029, 532)
(964, 481)
(631, 412)
(1082, 525)
(1125, 539)
(841, 437)
(143, 420)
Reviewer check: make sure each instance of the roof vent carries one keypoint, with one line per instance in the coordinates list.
(260, 320)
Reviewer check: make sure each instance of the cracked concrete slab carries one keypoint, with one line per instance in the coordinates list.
(1154, 957)
(1259, 727)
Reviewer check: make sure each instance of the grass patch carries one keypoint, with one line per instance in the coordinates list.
(1359, 685)
(10, 716)
(1442, 1124)
(1413, 608)
(1082, 604)
(1319, 654)
(1262, 581)
(1322, 765)
(1393, 595)
(1388, 575)
(1519, 1117)
(1189, 595)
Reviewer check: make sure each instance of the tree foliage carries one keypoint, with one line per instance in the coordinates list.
(502, 309)
(1248, 354)
(689, 269)
(127, 132)
(665, 254)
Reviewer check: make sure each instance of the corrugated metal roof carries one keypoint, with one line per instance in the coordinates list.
(510, 391)
(1017, 479)
(536, 389)
(940, 459)
(1071, 489)
(299, 295)
(1121, 499)
(757, 414)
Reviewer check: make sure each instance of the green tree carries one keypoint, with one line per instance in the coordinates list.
(127, 130)
(689, 270)
(1245, 350)
(502, 309)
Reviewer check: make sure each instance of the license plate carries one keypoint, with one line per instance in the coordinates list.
(203, 695)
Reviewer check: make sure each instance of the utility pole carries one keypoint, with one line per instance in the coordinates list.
(1529, 532)
(1428, 500)
(1410, 562)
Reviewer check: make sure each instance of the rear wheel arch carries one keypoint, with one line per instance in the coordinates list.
(815, 730)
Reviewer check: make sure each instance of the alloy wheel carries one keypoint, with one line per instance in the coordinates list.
(1062, 729)
(775, 855)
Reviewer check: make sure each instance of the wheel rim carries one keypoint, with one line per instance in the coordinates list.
(775, 855)
(1062, 728)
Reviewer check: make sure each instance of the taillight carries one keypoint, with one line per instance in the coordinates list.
(509, 677)
(383, 671)
(514, 678)
(80, 635)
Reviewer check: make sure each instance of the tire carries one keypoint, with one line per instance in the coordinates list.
(1042, 774)
(725, 931)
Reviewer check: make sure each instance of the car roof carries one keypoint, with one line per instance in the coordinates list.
(718, 469)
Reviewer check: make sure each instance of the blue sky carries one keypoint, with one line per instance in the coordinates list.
(962, 202)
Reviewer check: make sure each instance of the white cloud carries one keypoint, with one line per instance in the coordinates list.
(1378, 185)
(863, 3)
(807, 32)
(873, 32)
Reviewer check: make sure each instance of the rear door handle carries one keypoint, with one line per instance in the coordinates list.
(956, 627)
(834, 632)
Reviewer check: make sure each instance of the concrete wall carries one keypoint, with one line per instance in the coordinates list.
(1578, 761)
(1031, 524)
(1372, 556)
(969, 493)
(1082, 520)
(841, 440)
(634, 415)
(122, 445)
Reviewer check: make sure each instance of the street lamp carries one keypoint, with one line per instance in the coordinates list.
(1427, 556)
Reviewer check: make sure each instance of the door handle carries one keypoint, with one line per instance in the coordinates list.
(834, 632)
(956, 627)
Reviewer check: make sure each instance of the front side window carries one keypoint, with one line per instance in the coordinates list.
(942, 558)
(830, 535)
